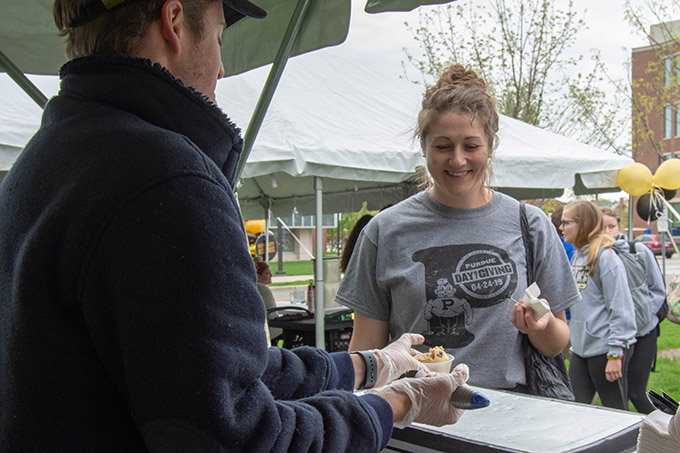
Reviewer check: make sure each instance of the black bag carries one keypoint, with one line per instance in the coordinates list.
(663, 311)
(545, 376)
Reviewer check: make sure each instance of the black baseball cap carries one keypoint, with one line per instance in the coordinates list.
(234, 10)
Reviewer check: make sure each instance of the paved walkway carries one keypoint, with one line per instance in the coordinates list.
(290, 278)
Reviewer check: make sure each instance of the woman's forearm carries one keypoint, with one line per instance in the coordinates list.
(368, 333)
(552, 340)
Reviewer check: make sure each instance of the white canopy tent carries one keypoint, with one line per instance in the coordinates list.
(338, 134)
(353, 126)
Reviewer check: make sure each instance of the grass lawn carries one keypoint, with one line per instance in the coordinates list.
(667, 374)
(293, 268)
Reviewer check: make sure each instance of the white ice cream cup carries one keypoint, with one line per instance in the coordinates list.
(439, 367)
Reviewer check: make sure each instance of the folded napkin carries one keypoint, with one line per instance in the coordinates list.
(531, 300)
(653, 436)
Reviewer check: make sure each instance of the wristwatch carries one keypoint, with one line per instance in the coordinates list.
(615, 355)
(371, 369)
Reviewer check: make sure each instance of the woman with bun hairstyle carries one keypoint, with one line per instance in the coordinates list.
(602, 325)
(447, 261)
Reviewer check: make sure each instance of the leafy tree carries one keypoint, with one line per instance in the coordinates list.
(347, 221)
(519, 47)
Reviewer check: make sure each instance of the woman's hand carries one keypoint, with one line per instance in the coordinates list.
(612, 371)
(549, 335)
(523, 318)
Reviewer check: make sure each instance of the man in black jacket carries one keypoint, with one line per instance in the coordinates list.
(129, 313)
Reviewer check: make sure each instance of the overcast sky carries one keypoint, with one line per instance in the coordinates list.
(381, 37)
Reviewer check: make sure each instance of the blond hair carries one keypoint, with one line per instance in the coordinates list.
(588, 216)
(460, 90)
(120, 31)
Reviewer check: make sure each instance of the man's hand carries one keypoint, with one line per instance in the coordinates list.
(430, 397)
(396, 358)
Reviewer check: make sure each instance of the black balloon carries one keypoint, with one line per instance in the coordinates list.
(668, 194)
(648, 211)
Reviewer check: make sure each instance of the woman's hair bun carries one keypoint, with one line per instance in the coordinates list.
(457, 75)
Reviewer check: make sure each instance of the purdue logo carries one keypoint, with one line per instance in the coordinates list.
(484, 274)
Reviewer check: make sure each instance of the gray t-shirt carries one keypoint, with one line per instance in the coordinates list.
(445, 273)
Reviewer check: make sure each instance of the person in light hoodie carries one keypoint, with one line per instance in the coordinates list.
(602, 326)
(645, 346)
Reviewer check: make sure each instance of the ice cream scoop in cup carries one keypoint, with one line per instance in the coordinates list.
(436, 360)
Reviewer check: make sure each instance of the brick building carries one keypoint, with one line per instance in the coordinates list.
(656, 103)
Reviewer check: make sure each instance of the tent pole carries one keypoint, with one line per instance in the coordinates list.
(318, 296)
(267, 219)
(23, 81)
(270, 85)
(630, 217)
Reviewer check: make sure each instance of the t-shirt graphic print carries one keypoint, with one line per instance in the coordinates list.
(459, 279)
(581, 276)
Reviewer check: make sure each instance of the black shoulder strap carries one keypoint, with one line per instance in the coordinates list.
(528, 244)
(631, 247)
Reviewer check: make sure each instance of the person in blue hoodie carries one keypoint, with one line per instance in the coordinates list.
(129, 313)
(645, 346)
(602, 326)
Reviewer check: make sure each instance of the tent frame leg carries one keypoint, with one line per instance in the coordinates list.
(20, 79)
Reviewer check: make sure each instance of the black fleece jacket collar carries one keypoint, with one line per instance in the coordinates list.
(158, 98)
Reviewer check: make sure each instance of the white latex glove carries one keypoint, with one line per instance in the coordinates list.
(431, 397)
(397, 358)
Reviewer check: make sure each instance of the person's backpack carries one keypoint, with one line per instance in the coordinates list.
(636, 272)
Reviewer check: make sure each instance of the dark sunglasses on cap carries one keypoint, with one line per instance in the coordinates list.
(234, 10)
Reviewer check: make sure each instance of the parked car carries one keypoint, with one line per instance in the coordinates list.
(654, 243)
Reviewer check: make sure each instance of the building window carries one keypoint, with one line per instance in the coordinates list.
(667, 71)
(668, 123)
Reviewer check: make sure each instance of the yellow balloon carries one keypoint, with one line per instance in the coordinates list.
(667, 176)
(635, 179)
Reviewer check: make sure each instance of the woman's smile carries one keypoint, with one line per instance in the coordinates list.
(457, 156)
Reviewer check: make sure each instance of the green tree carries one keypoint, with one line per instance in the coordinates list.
(519, 47)
(347, 221)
